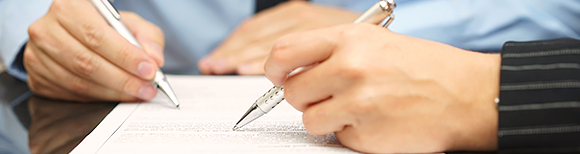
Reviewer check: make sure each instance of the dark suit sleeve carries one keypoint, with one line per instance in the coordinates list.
(539, 108)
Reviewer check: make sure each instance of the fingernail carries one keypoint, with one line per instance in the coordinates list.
(147, 92)
(157, 50)
(145, 68)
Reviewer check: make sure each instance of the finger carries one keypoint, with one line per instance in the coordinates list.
(148, 34)
(268, 22)
(313, 85)
(252, 67)
(263, 25)
(37, 78)
(83, 22)
(78, 85)
(79, 60)
(226, 62)
(280, 19)
(298, 50)
(204, 66)
(255, 52)
(327, 117)
(252, 32)
(41, 86)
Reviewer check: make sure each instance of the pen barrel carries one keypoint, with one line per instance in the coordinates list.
(270, 99)
(377, 13)
(112, 17)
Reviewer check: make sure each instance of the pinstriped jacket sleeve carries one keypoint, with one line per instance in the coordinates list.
(539, 108)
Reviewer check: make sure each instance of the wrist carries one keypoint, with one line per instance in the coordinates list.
(478, 128)
(492, 67)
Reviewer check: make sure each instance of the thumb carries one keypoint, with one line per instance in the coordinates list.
(148, 34)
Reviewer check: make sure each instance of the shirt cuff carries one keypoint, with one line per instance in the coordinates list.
(16, 68)
(540, 97)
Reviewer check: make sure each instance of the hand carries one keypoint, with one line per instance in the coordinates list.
(73, 54)
(246, 49)
(382, 92)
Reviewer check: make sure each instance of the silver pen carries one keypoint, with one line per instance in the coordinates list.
(113, 17)
(381, 13)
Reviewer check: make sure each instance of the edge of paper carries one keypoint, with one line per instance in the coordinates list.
(95, 140)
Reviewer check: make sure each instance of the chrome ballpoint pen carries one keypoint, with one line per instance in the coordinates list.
(114, 19)
(381, 13)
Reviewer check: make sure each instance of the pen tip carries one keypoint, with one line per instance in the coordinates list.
(177, 106)
(235, 128)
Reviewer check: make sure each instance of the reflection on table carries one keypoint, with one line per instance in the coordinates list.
(58, 126)
(53, 126)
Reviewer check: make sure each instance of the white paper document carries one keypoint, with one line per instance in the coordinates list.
(210, 106)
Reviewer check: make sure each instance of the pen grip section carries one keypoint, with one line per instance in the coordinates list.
(271, 98)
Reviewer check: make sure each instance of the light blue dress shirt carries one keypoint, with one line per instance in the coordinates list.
(193, 28)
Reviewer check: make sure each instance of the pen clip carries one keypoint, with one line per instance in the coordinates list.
(389, 20)
(388, 6)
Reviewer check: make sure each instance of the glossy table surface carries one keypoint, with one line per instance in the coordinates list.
(53, 126)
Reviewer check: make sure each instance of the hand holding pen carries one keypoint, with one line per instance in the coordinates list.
(112, 16)
(380, 14)
(382, 92)
(74, 54)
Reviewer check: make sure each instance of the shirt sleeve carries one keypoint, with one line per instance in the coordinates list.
(15, 18)
(485, 25)
(539, 109)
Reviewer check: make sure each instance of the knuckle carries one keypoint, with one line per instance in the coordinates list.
(33, 85)
(36, 31)
(126, 98)
(280, 50)
(85, 64)
(29, 56)
(129, 85)
(78, 85)
(351, 71)
(38, 87)
(92, 36)
(125, 55)
(30, 61)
